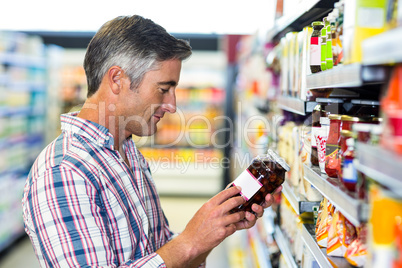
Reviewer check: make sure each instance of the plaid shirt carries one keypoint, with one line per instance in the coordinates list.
(84, 207)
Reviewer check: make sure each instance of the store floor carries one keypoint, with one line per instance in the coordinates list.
(178, 210)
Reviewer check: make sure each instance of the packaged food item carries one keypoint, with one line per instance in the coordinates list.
(284, 62)
(324, 46)
(321, 136)
(324, 224)
(332, 20)
(328, 54)
(316, 114)
(362, 19)
(262, 177)
(341, 233)
(332, 158)
(339, 11)
(321, 227)
(391, 106)
(356, 253)
(315, 47)
(349, 173)
(397, 263)
(305, 63)
(345, 135)
(384, 213)
(323, 108)
(291, 39)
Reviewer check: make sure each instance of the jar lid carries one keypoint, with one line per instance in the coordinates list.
(278, 159)
(376, 119)
(334, 116)
(349, 118)
(346, 133)
(317, 23)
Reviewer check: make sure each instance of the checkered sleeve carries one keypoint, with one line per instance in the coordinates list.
(66, 212)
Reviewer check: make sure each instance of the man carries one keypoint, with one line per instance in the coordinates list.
(89, 200)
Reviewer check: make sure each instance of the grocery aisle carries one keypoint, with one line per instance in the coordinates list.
(178, 210)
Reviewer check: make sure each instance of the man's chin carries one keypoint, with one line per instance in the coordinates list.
(146, 133)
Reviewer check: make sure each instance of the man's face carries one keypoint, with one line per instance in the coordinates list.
(144, 107)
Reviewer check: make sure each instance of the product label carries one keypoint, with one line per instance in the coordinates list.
(315, 53)
(369, 17)
(349, 173)
(248, 183)
(314, 133)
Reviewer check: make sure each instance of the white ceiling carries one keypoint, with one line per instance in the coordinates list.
(176, 16)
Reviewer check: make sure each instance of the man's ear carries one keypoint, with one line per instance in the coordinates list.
(115, 77)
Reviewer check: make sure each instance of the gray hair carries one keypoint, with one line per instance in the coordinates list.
(135, 44)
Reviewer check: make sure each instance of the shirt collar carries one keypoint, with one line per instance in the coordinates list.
(92, 131)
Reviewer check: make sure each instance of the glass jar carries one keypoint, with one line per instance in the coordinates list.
(324, 107)
(349, 173)
(315, 47)
(345, 135)
(262, 177)
(348, 121)
(332, 158)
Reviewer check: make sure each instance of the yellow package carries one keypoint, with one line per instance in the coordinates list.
(362, 19)
(341, 234)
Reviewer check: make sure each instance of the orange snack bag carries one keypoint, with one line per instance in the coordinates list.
(325, 222)
(356, 253)
(341, 233)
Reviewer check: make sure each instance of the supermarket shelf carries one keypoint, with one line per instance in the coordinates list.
(319, 254)
(346, 76)
(306, 12)
(381, 165)
(384, 48)
(284, 247)
(298, 204)
(295, 105)
(17, 59)
(354, 210)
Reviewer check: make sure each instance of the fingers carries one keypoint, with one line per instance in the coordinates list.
(225, 195)
(258, 210)
(249, 221)
(269, 199)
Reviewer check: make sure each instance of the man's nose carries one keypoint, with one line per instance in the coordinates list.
(169, 104)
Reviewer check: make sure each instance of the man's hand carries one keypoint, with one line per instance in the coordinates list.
(211, 224)
(250, 218)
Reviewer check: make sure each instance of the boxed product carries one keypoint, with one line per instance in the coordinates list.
(304, 62)
(362, 19)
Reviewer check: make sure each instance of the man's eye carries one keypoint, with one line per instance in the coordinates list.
(164, 90)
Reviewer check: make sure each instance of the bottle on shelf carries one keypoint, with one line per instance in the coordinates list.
(324, 46)
(328, 53)
(332, 159)
(349, 173)
(315, 47)
(324, 107)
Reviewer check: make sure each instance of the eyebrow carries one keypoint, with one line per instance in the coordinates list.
(169, 83)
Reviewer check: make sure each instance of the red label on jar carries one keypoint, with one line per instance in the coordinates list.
(314, 41)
